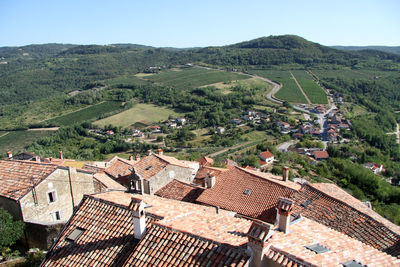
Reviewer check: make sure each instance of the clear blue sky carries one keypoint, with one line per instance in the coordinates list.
(190, 23)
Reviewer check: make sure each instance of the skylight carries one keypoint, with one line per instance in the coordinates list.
(317, 248)
(74, 235)
(247, 192)
(353, 263)
(305, 203)
(148, 168)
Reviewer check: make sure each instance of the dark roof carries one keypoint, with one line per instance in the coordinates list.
(179, 190)
(229, 193)
(18, 177)
(340, 216)
(107, 235)
(163, 246)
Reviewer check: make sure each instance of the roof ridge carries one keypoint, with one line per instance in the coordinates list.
(165, 159)
(350, 206)
(31, 162)
(265, 178)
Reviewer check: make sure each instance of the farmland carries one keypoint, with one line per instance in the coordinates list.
(85, 114)
(142, 113)
(314, 92)
(289, 91)
(15, 141)
(193, 77)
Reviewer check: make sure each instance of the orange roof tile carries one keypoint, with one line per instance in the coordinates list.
(179, 190)
(119, 167)
(266, 154)
(172, 160)
(203, 171)
(291, 247)
(18, 177)
(206, 161)
(355, 222)
(321, 154)
(108, 182)
(149, 166)
(250, 193)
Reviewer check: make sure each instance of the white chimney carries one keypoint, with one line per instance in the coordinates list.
(149, 152)
(9, 154)
(209, 181)
(285, 207)
(285, 175)
(139, 218)
(258, 242)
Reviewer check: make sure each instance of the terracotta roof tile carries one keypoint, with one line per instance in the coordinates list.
(266, 154)
(149, 166)
(291, 247)
(203, 171)
(18, 177)
(250, 193)
(206, 161)
(172, 160)
(321, 154)
(179, 190)
(350, 219)
(108, 182)
(119, 167)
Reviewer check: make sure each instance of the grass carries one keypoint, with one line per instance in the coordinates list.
(85, 114)
(194, 77)
(314, 92)
(144, 114)
(127, 80)
(15, 141)
(255, 135)
(289, 91)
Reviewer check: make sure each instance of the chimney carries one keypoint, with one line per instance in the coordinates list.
(160, 152)
(139, 219)
(285, 207)
(149, 152)
(209, 181)
(130, 158)
(258, 242)
(285, 174)
(60, 153)
(137, 158)
(9, 154)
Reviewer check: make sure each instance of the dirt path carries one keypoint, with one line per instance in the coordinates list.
(226, 149)
(44, 129)
(301, 88)
(397, 133)
(4, 134)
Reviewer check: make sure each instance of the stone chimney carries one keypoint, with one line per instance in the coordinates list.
(258, 242)
(209, 181)
(160, 151)
(139, 218)
(149, 152)
(60, 154)
(9, 154)
(285, 174)
(137, 157)
(130, 158)
(285, 207)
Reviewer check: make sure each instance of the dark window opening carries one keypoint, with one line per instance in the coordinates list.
(52, 196)
(148, 168)
(74, 235)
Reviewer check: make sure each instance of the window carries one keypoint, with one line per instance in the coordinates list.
(247, 192)
(75, 234)
(56, 216)
(317, 248)
(52, 196)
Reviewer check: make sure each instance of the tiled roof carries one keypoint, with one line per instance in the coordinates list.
(106, 239)
(108, 182)
(250, 193)
(172, 161)
(163, 246)
(348, 218)
(206, 161)
(119, 167)
(321, 154)
(149, 166)
(185, 230)
(18, 177)
(179, 190)
(289, 249)
(266, 154)
(203, 171)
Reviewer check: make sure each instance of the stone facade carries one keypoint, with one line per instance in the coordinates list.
(59, 193)
(165, 176)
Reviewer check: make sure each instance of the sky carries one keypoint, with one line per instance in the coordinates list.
(198, 23)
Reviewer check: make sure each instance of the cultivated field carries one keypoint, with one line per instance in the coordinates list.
(89, 113)
(140, 113)
(289, 91)
(15, 141)
(314, 92)
(194, 77)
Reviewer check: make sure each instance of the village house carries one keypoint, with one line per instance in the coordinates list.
(375, 168)
(320, 155)
(266, 158)
(220, 130)
(145, 230)
(155, 129)
(42, 195)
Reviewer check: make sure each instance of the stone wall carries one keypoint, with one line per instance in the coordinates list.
(41, 235)
(12, 206)
(166, 175)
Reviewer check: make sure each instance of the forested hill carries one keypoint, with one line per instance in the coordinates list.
(388, 49)
(38, 71)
